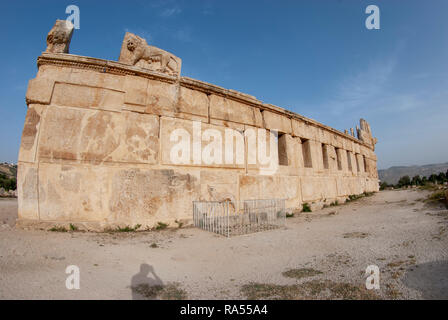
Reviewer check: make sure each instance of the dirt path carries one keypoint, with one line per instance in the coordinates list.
(328, 252)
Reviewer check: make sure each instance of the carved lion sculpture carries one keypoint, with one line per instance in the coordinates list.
(135, 51)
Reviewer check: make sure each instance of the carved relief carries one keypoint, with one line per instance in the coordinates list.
(59, 37)
(221, 197)
(135, 51)
(365, 133)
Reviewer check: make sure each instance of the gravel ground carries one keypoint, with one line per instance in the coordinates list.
(324, 254)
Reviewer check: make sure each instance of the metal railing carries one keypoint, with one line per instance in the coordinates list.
(228, 218)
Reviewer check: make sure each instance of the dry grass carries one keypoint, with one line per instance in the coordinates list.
(437, 199)
(440, 234)
(301, 273)
(392, 292)
(311, 290)
(401, 263)
(395, 264)
(353, 235)
(171, 291)
(441, 214)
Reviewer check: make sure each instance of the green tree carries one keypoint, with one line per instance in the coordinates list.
(383, 185)
(416, 180)
(8, 184)
(404, 181)
(432, 178)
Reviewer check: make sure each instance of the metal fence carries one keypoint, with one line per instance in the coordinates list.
(230, 219)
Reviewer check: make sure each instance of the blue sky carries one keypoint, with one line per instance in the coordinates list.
(315, 58)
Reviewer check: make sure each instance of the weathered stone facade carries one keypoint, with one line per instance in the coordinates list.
(97, 139)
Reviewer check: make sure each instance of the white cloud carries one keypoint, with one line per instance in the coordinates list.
(360, 90)
(169, 12)
(183, 35)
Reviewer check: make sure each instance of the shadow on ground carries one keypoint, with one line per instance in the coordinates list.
(145, 287)
(431, 279)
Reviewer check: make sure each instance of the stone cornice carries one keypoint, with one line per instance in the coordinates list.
(101, 65)
(113, 67)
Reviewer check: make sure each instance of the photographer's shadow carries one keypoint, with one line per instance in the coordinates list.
(144, 287)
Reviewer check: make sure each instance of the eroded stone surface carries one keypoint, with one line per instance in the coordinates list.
(149, 196)
(59, 37)
(99, 136)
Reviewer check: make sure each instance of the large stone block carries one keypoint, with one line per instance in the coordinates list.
(303, 130)
(139, 140)
(136, 89)
(323, 136)
(198, 144)
(230, 110)
(54, 72)
(372, 185)
(71, 95)
(161, 98)
(274, 121)
(98, 136)
(318, 188)
(193, 102)
(60, 133)
(39, 90)
(347, 186)
(96, 79)
(148, 196)
(269, 187)
(336, 140)
(219, 185)
(74, 193)
(27, 187)
(214, 176)
(28, 145)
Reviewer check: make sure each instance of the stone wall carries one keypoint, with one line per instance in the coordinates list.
(96, 145)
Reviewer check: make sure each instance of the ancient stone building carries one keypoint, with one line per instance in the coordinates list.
(109, 144)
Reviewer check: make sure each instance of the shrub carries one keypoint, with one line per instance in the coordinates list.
(179, 224)
(58, 229)
(335, 203)
(161, 226)
(384, 185)
(306, 207)
(128, 228)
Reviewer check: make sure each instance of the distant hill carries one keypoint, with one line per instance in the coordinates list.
(393, 174)
(10, 170)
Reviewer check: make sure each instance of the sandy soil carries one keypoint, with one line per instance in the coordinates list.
(395, 230)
